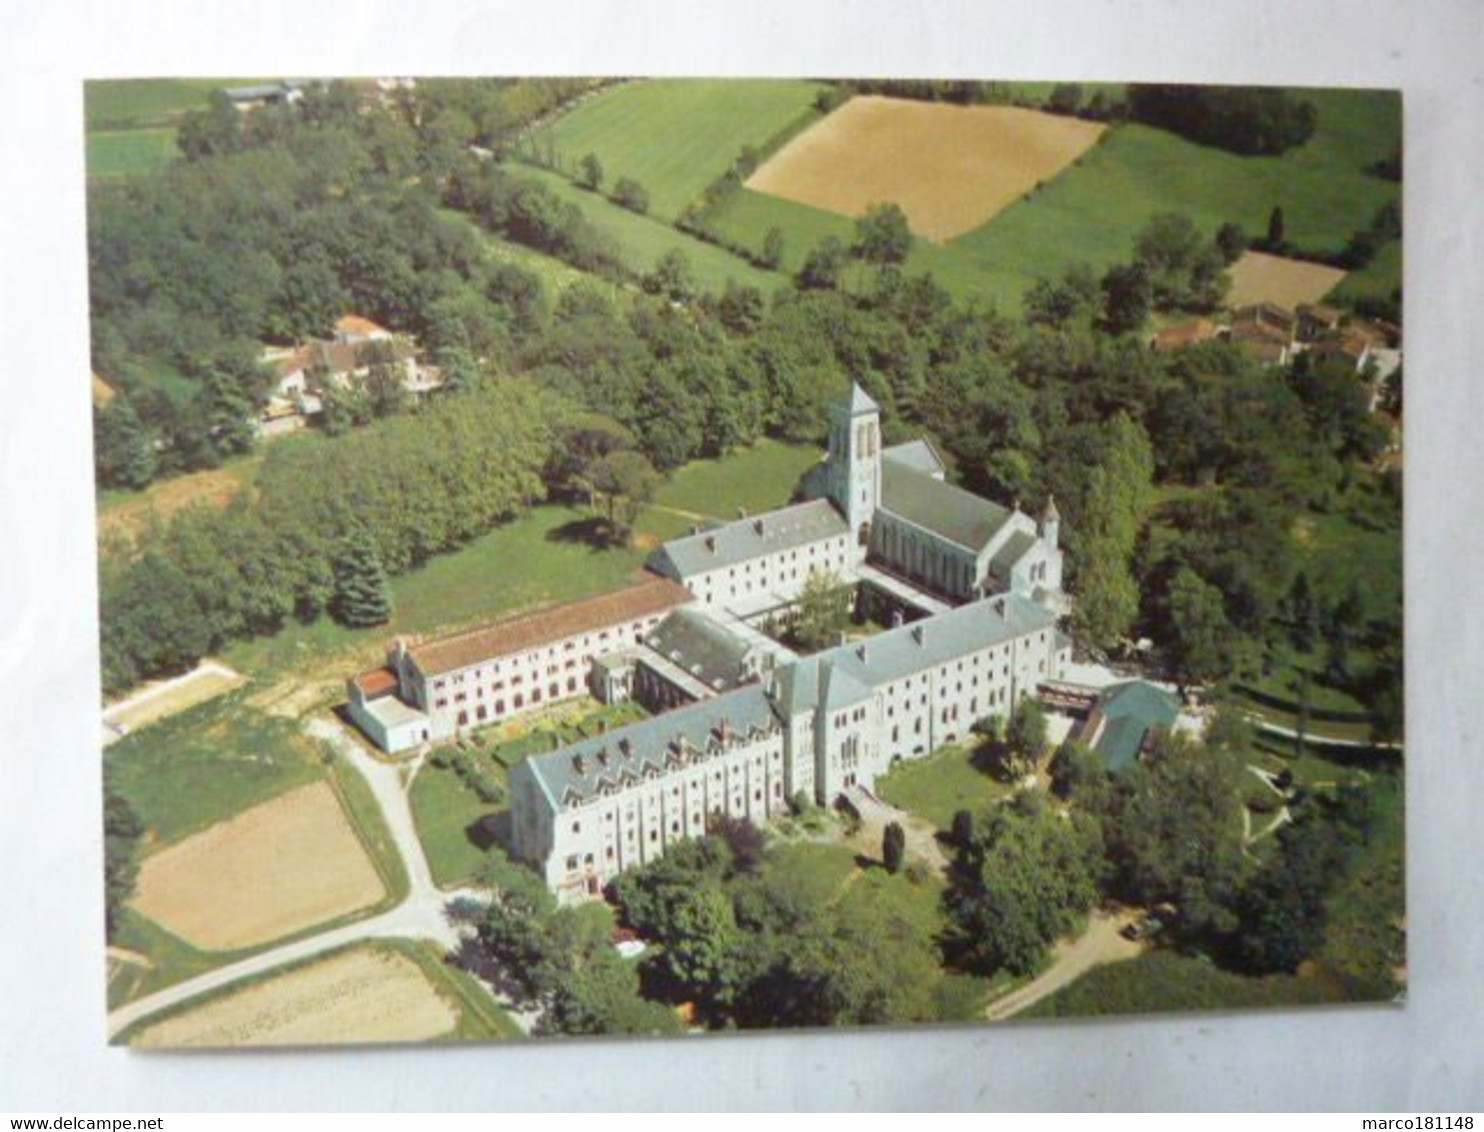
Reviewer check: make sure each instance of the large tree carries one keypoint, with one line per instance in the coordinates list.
(823, 612)
(363, 595)
(882, 237)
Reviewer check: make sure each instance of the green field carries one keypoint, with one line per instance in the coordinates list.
(644, 240)
(1379, 278)
(676, 136)
(122, 104)
(124, 153)
(937, 787)
(757, 478)
(1094, 210)
(191, 770)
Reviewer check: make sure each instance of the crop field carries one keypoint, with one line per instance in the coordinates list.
(676, 136)
(1093, 210)
(950, 168)
(644, 240)
(364, 994)
(1258, 277)
(266, 873)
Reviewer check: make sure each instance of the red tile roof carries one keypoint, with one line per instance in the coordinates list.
(355, 324)
(516, 634)
(1185, 334)
(377, 682)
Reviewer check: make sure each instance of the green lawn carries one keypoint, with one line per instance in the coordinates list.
(817, 870)
(937, 787)
(123, 153)
(538, 559)
(644, 240)
(171, 959)
(186, 772)
(452, 822)
(757, 478)
(1093, 211)
(676, 136)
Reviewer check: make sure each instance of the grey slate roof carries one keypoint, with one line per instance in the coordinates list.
(703, 647)
(860, 401)
(909, 649)
(730, 544)
(916, 454)
(957, 515)
(1012, 552)
(651, 743)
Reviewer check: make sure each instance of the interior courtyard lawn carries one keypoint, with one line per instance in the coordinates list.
(758, 478)
(937, 787)
(676, 136)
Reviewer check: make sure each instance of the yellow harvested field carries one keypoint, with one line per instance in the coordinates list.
(273, 870)
(156, 701)
(950, 168)
(217, 487)
(363, 995)
(1261, 278)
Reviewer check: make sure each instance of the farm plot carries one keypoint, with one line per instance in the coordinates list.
(676, 136)
(275, 869)
(1258, 277)
(363, 995)
(950, 168)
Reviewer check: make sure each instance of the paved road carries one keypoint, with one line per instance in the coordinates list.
(422, 915)
(1072, 959)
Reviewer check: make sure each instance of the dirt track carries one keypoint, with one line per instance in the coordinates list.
(362, 995)
(270, 871)
(1100, 944)
(950, 168)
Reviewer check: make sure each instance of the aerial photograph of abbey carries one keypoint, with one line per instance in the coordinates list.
(617, 556)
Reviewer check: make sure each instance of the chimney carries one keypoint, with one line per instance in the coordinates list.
(579, 763)
(741, 512)
(625, 748)
(860, 651)
(556, 741)
(724, 729)
(711, 543)
(603, 757)
(695, 528)
(757, 525)
(919, 634)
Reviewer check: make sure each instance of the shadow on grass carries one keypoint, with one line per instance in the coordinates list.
(595, 532)
(490, 830)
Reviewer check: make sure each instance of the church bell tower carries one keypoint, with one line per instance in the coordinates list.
(855, 463)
